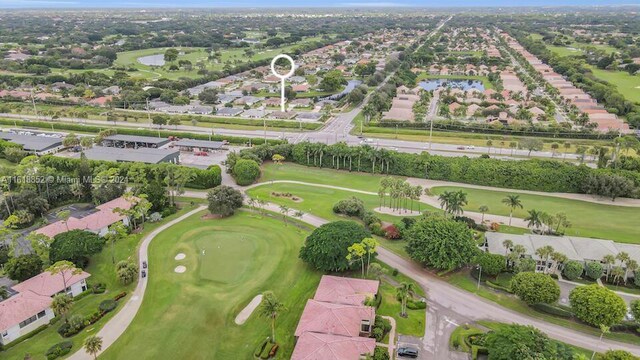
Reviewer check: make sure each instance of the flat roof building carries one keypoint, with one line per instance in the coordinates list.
(142, 154)
(134, 141)
(39, 145)
(191, 144)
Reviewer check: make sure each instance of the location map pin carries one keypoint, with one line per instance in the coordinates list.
(282, 77)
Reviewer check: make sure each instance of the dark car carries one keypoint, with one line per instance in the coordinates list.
(144, 264)
(408, 352)
(144, 274)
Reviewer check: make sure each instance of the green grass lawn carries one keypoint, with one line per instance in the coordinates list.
(129, 59)
(627, 84)
(102, 270)
(319, 201)
(327, 176)
(587, 219)
(228, 261)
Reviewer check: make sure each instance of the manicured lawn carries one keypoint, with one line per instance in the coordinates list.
(587, 219)
(627, 84)
(228, 261)
(326, 176)
(102, 270)
(413, 324)
(319, 201)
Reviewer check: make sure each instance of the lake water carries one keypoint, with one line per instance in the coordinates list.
(452, 83)
(351, 84)
(152, 60)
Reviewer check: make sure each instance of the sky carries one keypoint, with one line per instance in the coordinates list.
(300, 3)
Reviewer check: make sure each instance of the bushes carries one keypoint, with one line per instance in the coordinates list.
(107, 305)
(350, 207)
(381, 327)
(597, 305)
(492, 264)
(534, 288)
(573, 270)
(416, 304)
(98, 288)
(246, 172)
(73, 326)
(58, 350)
(553, 310)
(594, 270)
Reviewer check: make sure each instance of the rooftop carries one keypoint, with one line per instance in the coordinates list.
(48, 284)
(145, 155)
(336, 319)
(314, 346)
(343, 290)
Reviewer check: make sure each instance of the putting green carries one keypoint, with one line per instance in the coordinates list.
(228, 261)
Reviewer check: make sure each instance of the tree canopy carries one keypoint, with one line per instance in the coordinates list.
(597, 305)
(75, 246)
(326, 249)
(534, 288)
(224, 200)
(440, 242)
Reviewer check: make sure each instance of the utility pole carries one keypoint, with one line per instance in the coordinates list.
(479, 276)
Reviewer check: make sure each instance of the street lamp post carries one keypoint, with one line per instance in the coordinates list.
(479, 276)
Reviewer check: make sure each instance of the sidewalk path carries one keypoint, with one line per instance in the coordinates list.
(112, 330)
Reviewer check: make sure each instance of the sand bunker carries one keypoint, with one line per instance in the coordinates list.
(180, 269)
(248, 310)
(180, 256)
(401, 212)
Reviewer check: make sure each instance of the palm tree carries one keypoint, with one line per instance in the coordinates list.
(483, 209)
(403, 292)
(545, 253)
(632, 266)
(61, 305)
(513, 202)
(534, 219)
(417, 192)
(284, 210)
(558, 258)
(270, 308)
(608, 260)
(93, 345)
(508, 244)
(453, 201)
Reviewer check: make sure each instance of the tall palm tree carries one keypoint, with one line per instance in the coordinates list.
(93, 345)
(631, 266)
(513, 202)
(270, 308)
(508, 244)
(284, 210)
(453, 202)
(608, 261)
(403, 292)
(483, 209)
(534, 219)
(545, 253)
(558, 258)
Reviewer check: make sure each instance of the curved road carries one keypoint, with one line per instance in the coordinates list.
(119, 323)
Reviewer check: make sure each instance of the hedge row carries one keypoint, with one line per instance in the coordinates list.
(532, 174)
(488, 129)
(553, 310)
(49, 125)
(201, 178)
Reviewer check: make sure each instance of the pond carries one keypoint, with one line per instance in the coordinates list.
(461, 84)
(152, 60)
(351, 84)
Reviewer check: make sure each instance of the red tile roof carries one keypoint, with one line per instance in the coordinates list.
(48, 284)
(21, 307)
(337, 319)
(343, 290)
(313, 346)
(104, 217)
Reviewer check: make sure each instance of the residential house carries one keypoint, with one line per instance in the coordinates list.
(30, 307)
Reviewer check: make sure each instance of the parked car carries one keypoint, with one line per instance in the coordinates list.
(144, 264)
(408, 352)
(461, 148)
(201, 153)
(144, 273)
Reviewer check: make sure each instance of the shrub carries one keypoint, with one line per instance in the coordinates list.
(58, 350)
(107, 305)
(553, 310)
(120, 296)
(350, 207)
(573, 269)
(391, 232)
(534, 288)
(98, 288)
(594, 270)
(416, 305)
(224, 200)
(394, 272)
(636, 278)
(246, 172)
(326, 248)
(525, 265)
(492, 264)
(260, 348)
(380, 353)
(597, 305)
(634, 306)
(369, 218)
